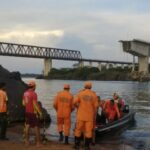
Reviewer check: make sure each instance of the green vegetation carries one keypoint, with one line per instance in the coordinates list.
(90, 73)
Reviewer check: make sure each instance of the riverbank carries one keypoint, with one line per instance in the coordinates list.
(15, 142)
(56, 146)
(89, 73)
(93, 73)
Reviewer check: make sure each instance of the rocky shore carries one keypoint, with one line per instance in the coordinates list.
(15, 88)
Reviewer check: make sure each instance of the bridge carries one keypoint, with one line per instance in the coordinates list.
(46, 53)
(141, 49)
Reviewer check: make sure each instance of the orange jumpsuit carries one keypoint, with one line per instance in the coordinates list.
(111, 110)
(3, 101)
(63, 105)
(87, 106)
(3, 114)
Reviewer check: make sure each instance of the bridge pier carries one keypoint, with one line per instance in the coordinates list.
(143, 64)
(107, 66)
(114, 65)
(90, 64)
(81, 64)
(99, 66)
(122, 66)
(47, 66)
(133, 67)
(111, 65)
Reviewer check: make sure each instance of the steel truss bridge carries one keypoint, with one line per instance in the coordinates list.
(20, 50)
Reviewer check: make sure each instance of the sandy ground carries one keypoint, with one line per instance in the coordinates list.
(16, 143)
(56, 146)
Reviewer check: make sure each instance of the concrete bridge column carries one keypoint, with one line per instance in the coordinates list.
(129, 66)
(47, 66)
(133, 64)
(81, 64)
(99, 66)
(133, 67)
(111, 65)
(122, 66)
(90, 64)
(107, 66)
(114, 65)
(143, 64)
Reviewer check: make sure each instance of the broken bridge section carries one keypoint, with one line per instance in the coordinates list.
(141, 49)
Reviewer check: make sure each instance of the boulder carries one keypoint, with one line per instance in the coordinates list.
(15, 88)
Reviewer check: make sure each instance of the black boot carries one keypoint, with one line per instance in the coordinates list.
(87, 143)
(66, 140)
(3, 124)
(61, 137)
(77, 143)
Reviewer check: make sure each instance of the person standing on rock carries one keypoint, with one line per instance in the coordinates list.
(87, 103)
(33, 113)
(3, 111)
(63, 104)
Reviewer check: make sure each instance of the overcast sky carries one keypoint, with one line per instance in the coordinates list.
(92, 26)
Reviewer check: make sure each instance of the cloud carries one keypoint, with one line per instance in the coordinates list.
(32, 36)
(93, 27)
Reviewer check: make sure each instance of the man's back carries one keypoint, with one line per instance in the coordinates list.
(87, 101)
(63, 103)
(29, 97)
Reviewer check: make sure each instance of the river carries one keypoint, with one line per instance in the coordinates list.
(136, 94)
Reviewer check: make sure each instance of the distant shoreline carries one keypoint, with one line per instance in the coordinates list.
(91, 73)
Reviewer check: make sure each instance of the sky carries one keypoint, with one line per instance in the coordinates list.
(93, 27)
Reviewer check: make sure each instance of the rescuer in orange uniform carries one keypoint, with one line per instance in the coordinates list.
(33, 113)
(63, 104)
(3, 112)
(111, 110)
(87, 103)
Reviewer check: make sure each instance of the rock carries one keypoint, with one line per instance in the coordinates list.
(15, 88)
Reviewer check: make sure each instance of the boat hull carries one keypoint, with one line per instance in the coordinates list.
(116, 126)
